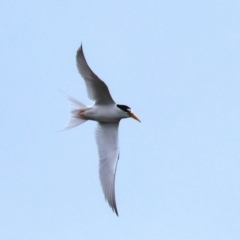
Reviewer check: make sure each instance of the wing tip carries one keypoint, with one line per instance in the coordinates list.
(113, 205)
(80, 51)
(115, 210)
(81, 47)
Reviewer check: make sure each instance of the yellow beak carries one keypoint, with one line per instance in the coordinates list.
(134, 116)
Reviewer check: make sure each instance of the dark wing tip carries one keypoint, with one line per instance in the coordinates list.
(114, 207)
(82, 64)
(81, 48)
(80, 52)
(116, 211)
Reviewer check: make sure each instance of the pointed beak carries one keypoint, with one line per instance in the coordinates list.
(134, 116)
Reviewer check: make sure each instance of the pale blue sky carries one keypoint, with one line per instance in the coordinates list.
(176, 64)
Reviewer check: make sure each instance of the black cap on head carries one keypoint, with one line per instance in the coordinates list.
(124, 108)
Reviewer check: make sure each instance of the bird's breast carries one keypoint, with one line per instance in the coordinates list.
(103, 114)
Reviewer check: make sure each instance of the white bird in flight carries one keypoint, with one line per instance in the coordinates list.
(108, 115)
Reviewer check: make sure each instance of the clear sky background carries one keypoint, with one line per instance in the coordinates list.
(176, 64)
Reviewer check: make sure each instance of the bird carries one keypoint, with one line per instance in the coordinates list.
(107, 114)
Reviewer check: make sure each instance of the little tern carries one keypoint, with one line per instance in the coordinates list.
(108, 115)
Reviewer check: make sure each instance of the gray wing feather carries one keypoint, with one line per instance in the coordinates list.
(108, 150)
(96, 88)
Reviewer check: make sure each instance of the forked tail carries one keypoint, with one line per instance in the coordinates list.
(75, 120)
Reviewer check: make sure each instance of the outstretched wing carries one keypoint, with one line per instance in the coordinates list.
(108, 150)
(96, 88)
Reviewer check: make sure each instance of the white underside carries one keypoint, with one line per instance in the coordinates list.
(106, 113)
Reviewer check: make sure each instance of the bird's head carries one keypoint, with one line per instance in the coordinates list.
(128, 112)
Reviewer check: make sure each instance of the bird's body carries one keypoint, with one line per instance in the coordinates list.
(104, 113)
(108, 115)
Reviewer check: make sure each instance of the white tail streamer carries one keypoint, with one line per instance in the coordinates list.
(76, 107)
